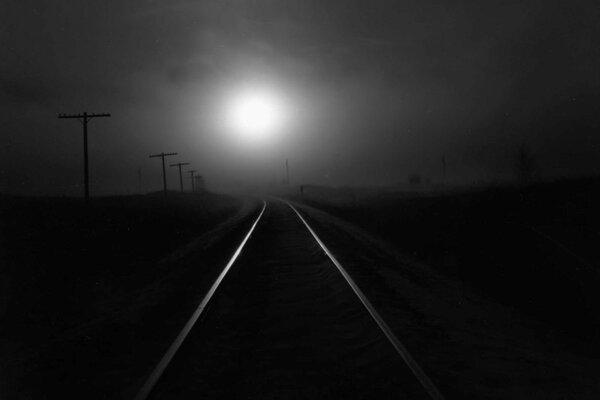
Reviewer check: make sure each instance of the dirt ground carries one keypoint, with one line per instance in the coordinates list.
(473, 343)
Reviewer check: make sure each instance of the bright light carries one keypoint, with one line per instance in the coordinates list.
(256, 116)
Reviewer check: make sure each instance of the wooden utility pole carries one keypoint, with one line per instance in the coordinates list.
(444, 169)
(191, 172)
(199, 182)
(180, 177)
(162, 156)
(287, 172)
(84, 119)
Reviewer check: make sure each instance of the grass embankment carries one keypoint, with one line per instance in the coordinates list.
(532, 248)
(83, 285)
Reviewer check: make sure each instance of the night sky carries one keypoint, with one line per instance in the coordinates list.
(376, 90)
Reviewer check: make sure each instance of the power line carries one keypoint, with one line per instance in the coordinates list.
(84, 119)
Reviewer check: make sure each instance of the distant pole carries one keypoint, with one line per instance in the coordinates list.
(139, 174)
(198, 182)
(287, 172)
(191, 172)
(444, 168)
(162, 156)
(180, 177)
(84, 119)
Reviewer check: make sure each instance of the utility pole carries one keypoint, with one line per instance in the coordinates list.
(162, 156)
(199, 182)
(444, 168)
(139, 175)
(191, 172)
(287, 172)
(84, 119)
(180, 178)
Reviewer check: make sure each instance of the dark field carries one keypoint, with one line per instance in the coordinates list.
(493, 290)
(86, 292)
(533, 249)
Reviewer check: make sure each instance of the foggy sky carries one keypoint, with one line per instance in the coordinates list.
(378, 89)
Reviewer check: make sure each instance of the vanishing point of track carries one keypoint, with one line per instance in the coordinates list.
(427, 386)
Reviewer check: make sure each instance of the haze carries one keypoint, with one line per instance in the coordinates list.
(376, 91)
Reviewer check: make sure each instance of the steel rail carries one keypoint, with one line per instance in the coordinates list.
(425, 381)
(153, 378)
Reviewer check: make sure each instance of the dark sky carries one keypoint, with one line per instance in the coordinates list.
(378, 90)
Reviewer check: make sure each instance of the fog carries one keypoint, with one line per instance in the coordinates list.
(374, 91)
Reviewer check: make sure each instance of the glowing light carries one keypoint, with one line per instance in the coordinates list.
(256, 115)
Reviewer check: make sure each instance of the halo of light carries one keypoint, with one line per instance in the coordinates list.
(256, 115)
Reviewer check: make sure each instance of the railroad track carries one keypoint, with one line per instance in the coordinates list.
(284, 325)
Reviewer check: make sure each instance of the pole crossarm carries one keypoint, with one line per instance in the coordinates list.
(162, 155)
(92, 115)
(179, 164)
(85, 117)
